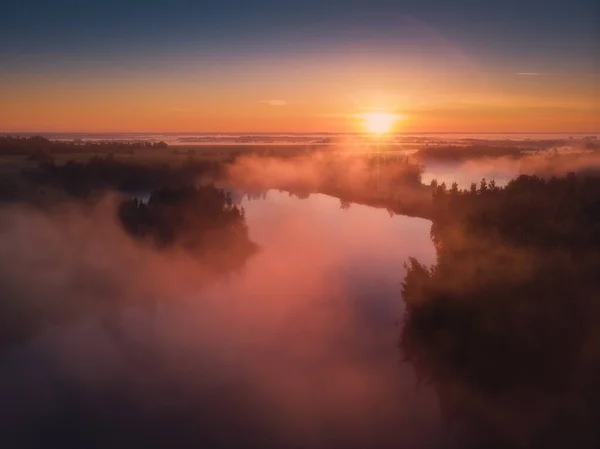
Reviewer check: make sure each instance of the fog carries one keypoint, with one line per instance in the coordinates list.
(464, 173)
(133, 343)
(117, 342)
(503, 169)
(354, 170)
(350, 169)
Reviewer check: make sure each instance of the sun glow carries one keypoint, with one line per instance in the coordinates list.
(379, 122)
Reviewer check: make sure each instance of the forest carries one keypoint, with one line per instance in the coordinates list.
(505, 323)
(38, 147)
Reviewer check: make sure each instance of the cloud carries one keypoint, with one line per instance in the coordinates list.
(529, 74)
(274, 102)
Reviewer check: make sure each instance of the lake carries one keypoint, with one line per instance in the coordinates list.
(300, 349)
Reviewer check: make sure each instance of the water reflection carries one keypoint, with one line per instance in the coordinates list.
(300, 349)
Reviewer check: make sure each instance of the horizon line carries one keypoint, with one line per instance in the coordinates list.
(34, 133)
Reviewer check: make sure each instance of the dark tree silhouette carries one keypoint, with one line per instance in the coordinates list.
(506, 322)
(84, 180)
(201, 220)
(40, 147)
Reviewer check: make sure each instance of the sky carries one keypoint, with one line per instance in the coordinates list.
(299, 66)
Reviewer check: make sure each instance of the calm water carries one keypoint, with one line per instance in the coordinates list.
(298, 350)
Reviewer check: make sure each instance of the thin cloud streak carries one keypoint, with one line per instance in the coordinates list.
(275, 102)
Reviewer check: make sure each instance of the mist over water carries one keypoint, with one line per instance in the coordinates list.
(464, 173)
(300, 348)
(131, 343)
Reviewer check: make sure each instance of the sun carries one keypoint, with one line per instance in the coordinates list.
(379, 122)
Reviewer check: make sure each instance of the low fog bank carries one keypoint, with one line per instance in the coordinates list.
(322, 169)
(377, 174)
(465, 161)
(384, 180)
(138, 346)
(401, 181)
(81, 261)
(583, 163)
(503, 169)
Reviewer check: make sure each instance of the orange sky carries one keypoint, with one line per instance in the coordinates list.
(312, 94)
(112, 66)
